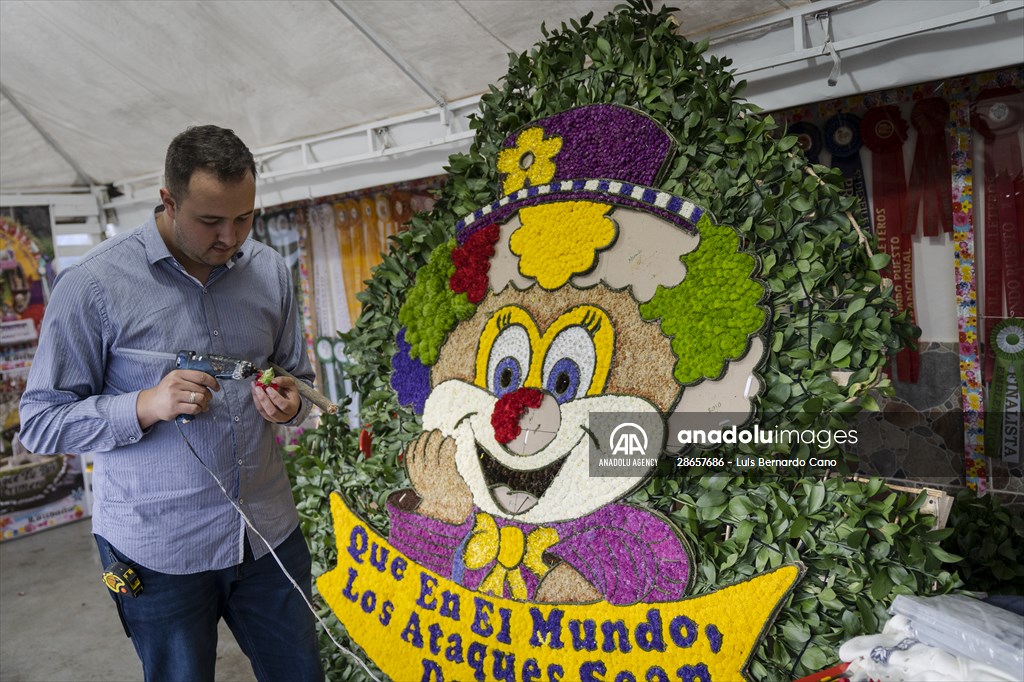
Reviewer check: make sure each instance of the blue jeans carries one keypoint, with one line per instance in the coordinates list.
(173, 621)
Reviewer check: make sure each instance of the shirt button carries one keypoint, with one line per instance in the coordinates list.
(240, 500)
(132, 438)
(216, 333)
(237, 418)
(239, 462)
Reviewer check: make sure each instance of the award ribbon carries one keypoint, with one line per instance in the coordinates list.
(929, 175)
(1003, 421)
(843, 141)
(965, 275)
(884, 132)
(809, 138)
(998, 116)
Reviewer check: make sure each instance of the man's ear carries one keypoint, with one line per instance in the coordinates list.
(170, 206)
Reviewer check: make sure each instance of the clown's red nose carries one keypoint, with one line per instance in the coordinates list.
(510, 409)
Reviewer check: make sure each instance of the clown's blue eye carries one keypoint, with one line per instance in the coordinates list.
(569, 364)
(564, 380)
(507, 377)
(508, 361)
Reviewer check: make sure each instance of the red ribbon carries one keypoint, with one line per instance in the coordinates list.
(930, 180)
(884, 131)
(998, 113)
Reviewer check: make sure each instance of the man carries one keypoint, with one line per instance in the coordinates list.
(103, 381)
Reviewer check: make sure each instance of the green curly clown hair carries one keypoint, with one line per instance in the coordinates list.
(712, 313)
(432, 309)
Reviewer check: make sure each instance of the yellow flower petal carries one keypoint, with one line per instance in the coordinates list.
(530, 160)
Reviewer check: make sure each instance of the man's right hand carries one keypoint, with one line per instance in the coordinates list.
(182, 391)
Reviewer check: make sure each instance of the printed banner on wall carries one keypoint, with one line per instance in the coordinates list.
(333, 244)
(39, 492)
(365, 220)
(286, 230)
(36, 491)
(27, 263)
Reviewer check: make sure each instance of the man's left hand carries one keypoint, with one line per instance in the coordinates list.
(278, 405)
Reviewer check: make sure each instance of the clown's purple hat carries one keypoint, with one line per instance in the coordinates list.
(600, 152)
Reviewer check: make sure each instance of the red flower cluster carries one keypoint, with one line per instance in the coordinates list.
(509, 410)
(472, 260)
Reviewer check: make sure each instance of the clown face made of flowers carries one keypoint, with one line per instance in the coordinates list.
(582, 290)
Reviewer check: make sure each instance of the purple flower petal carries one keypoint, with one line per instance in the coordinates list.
(410, 378)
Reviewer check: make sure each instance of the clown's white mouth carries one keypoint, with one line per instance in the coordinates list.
(517, 491)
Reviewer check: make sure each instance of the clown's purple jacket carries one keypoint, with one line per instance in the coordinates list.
(628, 554)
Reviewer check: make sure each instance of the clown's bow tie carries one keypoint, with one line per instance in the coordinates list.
(509, 547)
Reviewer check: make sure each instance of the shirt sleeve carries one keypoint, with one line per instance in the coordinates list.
(64, 408)
(290, 352)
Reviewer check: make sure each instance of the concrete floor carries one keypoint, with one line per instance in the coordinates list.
(58, 623)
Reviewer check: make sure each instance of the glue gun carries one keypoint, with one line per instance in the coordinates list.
(217, 366)
(223, 367)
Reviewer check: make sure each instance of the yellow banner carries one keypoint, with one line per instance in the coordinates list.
(417, 625)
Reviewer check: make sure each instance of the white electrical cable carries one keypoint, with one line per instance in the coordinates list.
(344, 650)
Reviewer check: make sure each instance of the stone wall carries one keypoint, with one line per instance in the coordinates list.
(917, 437)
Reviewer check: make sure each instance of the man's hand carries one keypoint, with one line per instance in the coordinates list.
(182, 391)
(278, 403)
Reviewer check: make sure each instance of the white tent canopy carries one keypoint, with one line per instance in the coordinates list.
(93, 91)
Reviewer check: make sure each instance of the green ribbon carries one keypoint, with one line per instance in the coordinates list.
(1003, 423)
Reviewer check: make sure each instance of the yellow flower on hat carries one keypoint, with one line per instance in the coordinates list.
(531, 160)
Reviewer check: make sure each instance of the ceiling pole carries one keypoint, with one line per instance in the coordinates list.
(382, 45)
(83, 177)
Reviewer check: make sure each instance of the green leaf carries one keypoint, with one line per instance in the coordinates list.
(942, 555)
(712, 498)
(816, 497)
(854, 307)
(841, 350)
(879, 550)
(881, 586)
(801, 204)
(879, 261)
(787, 143)
(869, 403)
